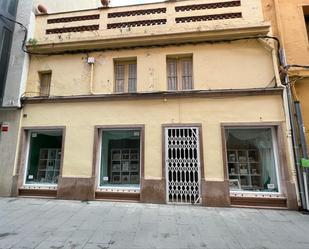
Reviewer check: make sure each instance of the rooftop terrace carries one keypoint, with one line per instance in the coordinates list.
(149, 24)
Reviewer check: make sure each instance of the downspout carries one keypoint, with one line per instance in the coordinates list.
(288, 103)
(297, 158)
(91, 61)
(91, 78)
(304, 147)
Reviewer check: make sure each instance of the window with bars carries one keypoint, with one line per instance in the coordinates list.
(179, 73)
(45, 81)
(125, 76)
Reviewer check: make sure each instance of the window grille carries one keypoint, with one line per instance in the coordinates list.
(182, 163)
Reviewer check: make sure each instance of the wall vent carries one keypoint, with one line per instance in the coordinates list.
(208, 17)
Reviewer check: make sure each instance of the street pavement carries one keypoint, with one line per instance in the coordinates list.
(58, 224)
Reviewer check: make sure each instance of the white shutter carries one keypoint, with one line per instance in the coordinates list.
(119, 75)
(186, 74)
(172, 75)
(132, 77)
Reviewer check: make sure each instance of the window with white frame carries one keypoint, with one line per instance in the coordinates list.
(44, 157)
(251, 156)
(179, 73)
(125, 76)
(120, 158)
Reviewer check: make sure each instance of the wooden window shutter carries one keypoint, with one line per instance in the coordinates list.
(45, 81)
(119, 75)
(186, 74)
(132, 77)
(172, 75)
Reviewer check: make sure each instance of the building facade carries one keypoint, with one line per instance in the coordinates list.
(13, 74)
(290, 22)
(289, 18)
(174, 102)
(14, 66)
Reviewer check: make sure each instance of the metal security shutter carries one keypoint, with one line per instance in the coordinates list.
(182, 163)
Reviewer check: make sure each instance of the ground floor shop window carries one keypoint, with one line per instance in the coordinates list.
(120, 158)
(251, 160)
(44, 157)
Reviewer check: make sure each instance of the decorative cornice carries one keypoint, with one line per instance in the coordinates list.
(172, 38)
(219, 93)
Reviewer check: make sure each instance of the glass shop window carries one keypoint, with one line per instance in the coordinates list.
(120, 160)
(251, 160)
(44, 157)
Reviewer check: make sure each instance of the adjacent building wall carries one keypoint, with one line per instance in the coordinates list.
(288, 23)
(14, 87)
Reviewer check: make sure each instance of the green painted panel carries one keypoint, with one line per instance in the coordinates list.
(305, 163)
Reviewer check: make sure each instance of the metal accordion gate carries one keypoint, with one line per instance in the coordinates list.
(182, 165)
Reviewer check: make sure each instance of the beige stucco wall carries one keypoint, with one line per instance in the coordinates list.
(80, 119)
(288, 24)
(246, 64)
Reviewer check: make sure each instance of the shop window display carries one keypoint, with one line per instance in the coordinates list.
(120, 161)
(251, 160)
(44, 157)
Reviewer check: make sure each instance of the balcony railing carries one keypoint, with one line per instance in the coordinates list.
(147, 20)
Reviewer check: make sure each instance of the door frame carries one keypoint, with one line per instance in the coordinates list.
(201, 154)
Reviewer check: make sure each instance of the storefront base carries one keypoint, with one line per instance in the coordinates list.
(76, 188)
(270, 202)
(214, 194)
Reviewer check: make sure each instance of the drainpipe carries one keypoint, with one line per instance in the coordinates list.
(304, 147)
(91, 61)
(299, 172)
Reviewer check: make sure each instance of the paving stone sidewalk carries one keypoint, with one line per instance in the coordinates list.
(57, 224)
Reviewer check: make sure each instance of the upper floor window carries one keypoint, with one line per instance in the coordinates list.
(306, 16)
(179, 73)
(5, 46)
(45, 81)
(125, 76)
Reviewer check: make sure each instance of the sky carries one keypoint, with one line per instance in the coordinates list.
(70, 5)
(128, 2)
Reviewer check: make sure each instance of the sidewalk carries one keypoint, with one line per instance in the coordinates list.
(57, 224)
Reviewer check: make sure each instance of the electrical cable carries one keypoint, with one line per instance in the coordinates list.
(23, 47)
